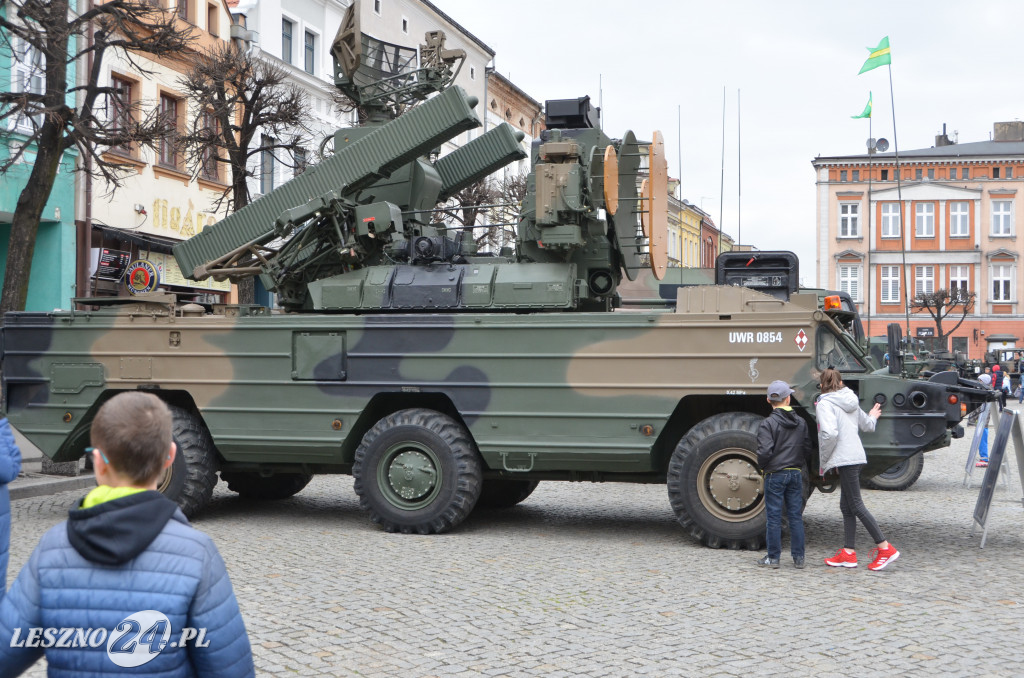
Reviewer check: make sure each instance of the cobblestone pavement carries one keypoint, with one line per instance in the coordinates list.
(599, 580)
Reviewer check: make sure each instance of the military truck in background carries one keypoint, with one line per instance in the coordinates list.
(444, 379)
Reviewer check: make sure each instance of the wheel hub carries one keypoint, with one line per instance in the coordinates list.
(412, 475)
(734, 484)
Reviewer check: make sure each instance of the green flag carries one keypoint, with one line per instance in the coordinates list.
(879, 56)
(867, 109)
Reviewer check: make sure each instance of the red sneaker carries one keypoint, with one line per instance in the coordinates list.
(842, 559)
(883, 557)
(982, 463)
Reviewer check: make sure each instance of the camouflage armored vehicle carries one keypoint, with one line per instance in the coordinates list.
(441, 379)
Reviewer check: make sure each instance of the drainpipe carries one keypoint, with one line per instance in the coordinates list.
(83, 230)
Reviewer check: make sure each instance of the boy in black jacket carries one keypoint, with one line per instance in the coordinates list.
(783, 447)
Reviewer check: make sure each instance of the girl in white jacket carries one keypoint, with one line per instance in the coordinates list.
(840, 421)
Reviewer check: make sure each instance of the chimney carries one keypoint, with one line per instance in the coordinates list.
(942, 139)
(1009, 131)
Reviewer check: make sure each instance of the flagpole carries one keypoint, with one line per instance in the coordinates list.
(721, 188)
(899, 196)
(871, 151)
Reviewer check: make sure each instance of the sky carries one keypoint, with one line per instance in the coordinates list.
(793, 67)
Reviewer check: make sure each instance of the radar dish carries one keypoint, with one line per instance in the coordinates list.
(656, 209)
(882, 145)
(627, 238)
(347, 47)
(611, 180)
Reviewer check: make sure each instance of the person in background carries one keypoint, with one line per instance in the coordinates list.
(783, 449)
(10, 466)
(840, 421)
(998, 378)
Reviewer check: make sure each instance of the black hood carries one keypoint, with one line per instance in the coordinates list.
(787, 418)
(116, 531)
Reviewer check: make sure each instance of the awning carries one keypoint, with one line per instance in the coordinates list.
(153, 243)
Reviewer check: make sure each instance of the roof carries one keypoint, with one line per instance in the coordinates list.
(976, 149)
(434, 8)
(515, 88)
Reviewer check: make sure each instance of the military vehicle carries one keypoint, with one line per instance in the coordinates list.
(443, 379)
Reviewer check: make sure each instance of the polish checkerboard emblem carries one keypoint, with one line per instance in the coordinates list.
(801, 340)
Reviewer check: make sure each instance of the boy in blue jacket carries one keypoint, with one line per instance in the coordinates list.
(10, 466)
(125, 585)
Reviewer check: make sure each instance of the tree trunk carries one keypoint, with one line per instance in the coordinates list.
(25, 224)
(239, 199)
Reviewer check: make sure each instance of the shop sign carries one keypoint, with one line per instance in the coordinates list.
(141, 277)
(112, 263)
(170, 274)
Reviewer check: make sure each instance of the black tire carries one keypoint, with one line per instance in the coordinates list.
(897, 477)
(502, 493)
(417, 471)
(255, 487)
(191, 478)
(714, 486)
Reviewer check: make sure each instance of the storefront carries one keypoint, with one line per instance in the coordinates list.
(126, 263)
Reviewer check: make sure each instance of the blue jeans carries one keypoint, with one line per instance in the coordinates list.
(784, 487)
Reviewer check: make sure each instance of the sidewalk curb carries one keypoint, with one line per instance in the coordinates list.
(38, 485)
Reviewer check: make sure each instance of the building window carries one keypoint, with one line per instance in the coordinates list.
(918, 174)
(842, 175)
(29, 78)
(1002, 282)
(376, 7)
(310, 51)
(266, 165)
(301, 161)
(958, 279)
(209, 167)
(1002, 217)
(120, 102)
(405, 25)
(959, 219)
(924, 220)
(1009, 172)
(965, 173)
(890, 284)
(168, 142)
(287, 29)
(890, 220)
(995, 172)
(931, 173)
(849, 280)
(472, 72)
(183, 10)
(924, 280)
(885, 175)
(211, 19)
(856, 175)
(848, 226)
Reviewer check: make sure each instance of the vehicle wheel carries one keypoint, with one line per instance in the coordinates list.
(190, 479)
(502, 493)
(897, 477)
(714, 486)
(417, 471)
(252, 485)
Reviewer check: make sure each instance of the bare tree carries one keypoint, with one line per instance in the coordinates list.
(942, 304)
(505, 215)
(46, 113)
(494, 201)
(240, 96)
